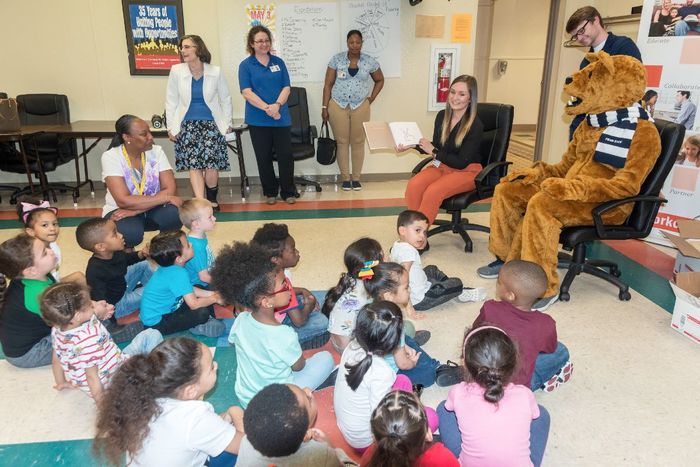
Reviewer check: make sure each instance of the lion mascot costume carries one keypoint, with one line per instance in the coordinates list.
(610, 155)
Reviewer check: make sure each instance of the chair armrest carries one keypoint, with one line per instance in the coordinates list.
(421, 164)
(314, 132)
(485, 172)
(599, 210)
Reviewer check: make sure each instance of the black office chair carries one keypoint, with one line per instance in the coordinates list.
(638, 224)
(46, 151)
(498, 123)
(5, 150)
(303, 133)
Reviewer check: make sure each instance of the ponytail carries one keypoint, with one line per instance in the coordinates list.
(121, 126)
(377, 332)
(399, 426)
(491, 380)
(130, 401)
(386, 279)
(491, 358)
(355, 256)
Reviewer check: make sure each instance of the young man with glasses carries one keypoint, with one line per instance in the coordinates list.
(586, 27)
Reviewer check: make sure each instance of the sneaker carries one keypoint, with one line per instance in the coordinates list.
(422, 337)
(357, 186)
(472, 294)
(212, 328)
(316, 342)
(330, 381)
(271, 200)
(491, 270)
(123, 333)
(347, 186)
(291, 200)
(543, 303)
(448, 374)
(562, 376)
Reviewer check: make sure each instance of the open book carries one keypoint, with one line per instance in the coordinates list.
(382, 135)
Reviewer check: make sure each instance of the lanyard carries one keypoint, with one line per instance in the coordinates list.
(139, 186)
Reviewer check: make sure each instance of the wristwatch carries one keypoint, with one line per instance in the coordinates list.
(435, 151)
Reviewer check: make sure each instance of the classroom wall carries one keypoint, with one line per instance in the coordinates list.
(78, 48)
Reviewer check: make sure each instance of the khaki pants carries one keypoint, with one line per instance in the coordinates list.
(349, 133)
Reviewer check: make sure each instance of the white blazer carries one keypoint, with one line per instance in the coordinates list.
(179, 95)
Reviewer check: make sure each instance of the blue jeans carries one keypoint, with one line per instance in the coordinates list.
(318, 367)
(452, 439)
(225, 459)
(548, 365)
(162, 218)
(682, 28)
(137, 273)
(424, 371)
(39, 355)
(144, 342)
(315, 325)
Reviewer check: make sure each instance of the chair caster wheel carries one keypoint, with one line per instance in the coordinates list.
(625, 296)
(318, 189)
(564, 296)
(468, 248)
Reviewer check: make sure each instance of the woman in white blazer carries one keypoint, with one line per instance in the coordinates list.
(199, 114)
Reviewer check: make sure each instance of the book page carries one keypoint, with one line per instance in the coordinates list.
(379, 136)
(406, 133)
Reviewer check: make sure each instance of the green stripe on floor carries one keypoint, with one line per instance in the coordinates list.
(68, 453)
(223, 396)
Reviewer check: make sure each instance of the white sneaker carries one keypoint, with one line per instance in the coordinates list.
(469, 294)
(543, 303)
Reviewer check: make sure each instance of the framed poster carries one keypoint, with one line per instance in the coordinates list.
(152, 31)
(444, 67)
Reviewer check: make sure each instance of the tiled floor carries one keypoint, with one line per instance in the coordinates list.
(632, 400)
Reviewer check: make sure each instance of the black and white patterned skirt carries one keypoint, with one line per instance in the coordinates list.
(200, 145)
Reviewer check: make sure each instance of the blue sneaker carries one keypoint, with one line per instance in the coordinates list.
(491, 270)
(347, 186)
(357, 186)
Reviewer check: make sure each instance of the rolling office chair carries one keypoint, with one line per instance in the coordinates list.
(498, 123)
(638, 224)
(7, 149)
(46, 151)
(303, 133)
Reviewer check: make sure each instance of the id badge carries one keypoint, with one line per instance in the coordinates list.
(342, 74)
(275, 68)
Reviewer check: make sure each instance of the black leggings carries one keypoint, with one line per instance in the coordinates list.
(183, 319)
(269, 140)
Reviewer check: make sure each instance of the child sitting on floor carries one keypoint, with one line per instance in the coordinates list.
(198, 216)
(279, 424)
(430, 287)
(267, 352)
(302, 313)
(488, 420)
(112, 274)
(344, 301)
(154, 413)
(25, 337)
(544, 362)
(85, 356)
(41, 221)
(170, 303)
(365, 377)
(402, 437)
(389, 281)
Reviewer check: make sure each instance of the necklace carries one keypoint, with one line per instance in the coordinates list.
(138, 185)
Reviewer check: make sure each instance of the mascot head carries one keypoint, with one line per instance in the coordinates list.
(607, 83)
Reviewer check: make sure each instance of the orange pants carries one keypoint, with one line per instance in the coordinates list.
(426, 191)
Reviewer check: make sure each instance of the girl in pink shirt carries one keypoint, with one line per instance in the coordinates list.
(487, 420)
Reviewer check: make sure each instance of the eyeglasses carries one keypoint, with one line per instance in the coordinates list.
(262, 41)
(187, 47)
(580, 31)
(285, 287)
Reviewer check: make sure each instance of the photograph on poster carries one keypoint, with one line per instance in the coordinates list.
(675, 105)
(152, 31)
(689, 155)
(675, 18)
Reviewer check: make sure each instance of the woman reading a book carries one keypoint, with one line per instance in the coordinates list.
(454, 149)
(348, 81)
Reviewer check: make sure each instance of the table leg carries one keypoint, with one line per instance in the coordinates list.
(26, 165)
(241, 165)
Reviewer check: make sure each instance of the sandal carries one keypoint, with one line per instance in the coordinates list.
(448, 374)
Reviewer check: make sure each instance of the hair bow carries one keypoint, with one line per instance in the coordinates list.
(366, 272)
(29, 207)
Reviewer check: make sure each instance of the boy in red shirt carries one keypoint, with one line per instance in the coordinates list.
(544, 362)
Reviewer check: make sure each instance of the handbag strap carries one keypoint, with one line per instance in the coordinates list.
(324, 126)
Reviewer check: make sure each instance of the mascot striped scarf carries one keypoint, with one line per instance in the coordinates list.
(614, 142)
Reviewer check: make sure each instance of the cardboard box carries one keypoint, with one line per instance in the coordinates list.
(688, 244)
(686, 312)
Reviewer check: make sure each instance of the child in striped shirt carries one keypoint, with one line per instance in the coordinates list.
(85, 356)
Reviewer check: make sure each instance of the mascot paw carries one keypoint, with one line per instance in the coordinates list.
(527, 176)
(557, 188)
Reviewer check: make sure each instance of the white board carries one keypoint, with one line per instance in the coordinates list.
(379, 22)
(306, 39)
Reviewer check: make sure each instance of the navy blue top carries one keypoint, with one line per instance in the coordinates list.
(267, 83)
(198, 109)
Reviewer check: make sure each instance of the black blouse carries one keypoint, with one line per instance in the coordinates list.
(458, 157)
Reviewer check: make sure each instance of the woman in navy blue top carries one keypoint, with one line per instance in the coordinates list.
(265, 86)
(199, 114)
